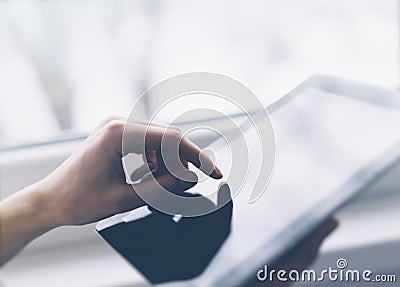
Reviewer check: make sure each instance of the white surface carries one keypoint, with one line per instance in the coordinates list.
(90, 264)
(321, 145)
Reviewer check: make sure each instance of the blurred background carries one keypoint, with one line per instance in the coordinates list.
(66, 64)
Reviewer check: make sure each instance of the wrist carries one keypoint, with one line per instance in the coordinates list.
(23, 217)
(44, 204)
(36, 209)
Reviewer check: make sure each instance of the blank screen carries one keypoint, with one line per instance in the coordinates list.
(322, 141)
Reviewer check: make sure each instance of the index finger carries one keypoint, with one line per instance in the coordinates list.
(192, 153)
(141, 138)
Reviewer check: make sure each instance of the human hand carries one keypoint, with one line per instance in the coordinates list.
(91, 184)
(300, 256)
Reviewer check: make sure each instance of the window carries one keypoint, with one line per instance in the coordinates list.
(66, 64)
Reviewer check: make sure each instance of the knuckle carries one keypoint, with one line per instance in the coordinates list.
(175, 135)
(114, 127)
(107, 119)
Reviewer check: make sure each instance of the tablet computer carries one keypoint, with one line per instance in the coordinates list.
(333, 138)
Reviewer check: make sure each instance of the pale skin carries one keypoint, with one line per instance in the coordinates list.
(91, 185)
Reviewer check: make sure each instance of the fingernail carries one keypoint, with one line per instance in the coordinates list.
(217, 173)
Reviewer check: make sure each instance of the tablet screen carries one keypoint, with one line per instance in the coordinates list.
(323, 141)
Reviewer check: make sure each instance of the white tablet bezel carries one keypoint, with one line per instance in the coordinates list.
(275, 248)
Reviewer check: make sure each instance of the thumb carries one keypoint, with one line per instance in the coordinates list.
(224, 194)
